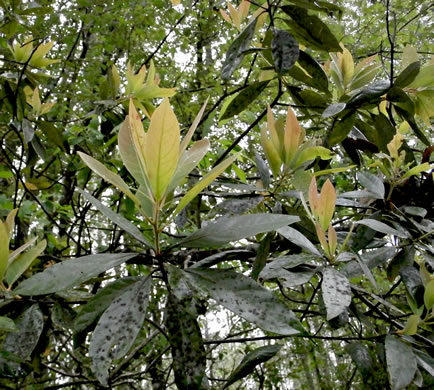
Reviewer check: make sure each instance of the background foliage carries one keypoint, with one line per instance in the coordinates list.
(285, 241)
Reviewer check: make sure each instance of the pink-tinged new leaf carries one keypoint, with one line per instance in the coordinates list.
(107, 175)
(327, 204)
(293, 135)
(332, 239)
(162, 149)
(314, 198)
(270, 152)
(322, 239)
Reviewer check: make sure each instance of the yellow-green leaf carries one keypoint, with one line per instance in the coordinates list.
(4, 249)
(187, 138)
(10, 221)
(270, 152)
(312, 153)
(416, 170)
(107, 175)
(428, 297)
(327, 204)
(410, 328)
(204, 182)
(162, 149)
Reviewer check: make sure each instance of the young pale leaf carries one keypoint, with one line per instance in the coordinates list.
(311, 153)
(21, 249)
(187, 138)
(204, 182)
(235, 55)
(107, 175)
(4, 249)
(381, 227)
(132, 155)
(188, 162)
(162, 149)
(246, 298)
(70, 273)
(250, 361)
(235, 228)
(118, 328)
(401, 362)
(116, 218)
(327, 204)
(92, 310)
(336, 292)
(240, 102)
(411, 325)
(19, 265)
(29, 328)
(285, 50)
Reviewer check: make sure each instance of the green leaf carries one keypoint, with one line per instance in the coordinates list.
(204, 182)
(284, 49)
(408, 75)
(92, 310)
(399, 98)
(107, 175)
(401, 362)
(429, 295)
(70, 273)
(341, 130)
(310, 30)
(241, 101)
(333, 109)
(187, 138)
(416, 170)
(230, 229)
(19, 265)
(298, 239)
(336, 292)
(372, 259)
(7, 325)
(425, 78)
(118, 327)
(162, 149)
(372, 183)
(381, 227)
(250, 361)
(117, 219)
(404, 258)
(246, 298)
(409, 117)
(29, 328)
(261, 256)
(317, 75)
(264, 171)
(235, 54)
(382, 134)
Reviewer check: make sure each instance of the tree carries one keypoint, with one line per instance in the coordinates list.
(205, 195)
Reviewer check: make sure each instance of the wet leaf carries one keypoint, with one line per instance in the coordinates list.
(401, 362)
(250, 361)
(333, 109)
(118, 328)
(370, 94)
(246, 298)
(235, 228)
(70, 273)
(336, 292)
